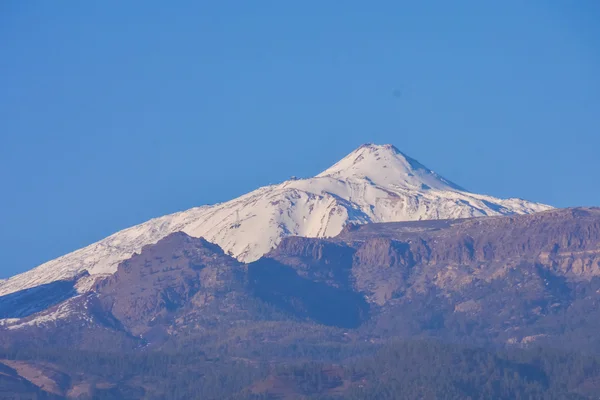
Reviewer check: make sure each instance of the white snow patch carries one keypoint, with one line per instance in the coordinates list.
(64, 310)
(8, 321)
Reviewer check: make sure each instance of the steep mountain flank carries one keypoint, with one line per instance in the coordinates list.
(372, 184)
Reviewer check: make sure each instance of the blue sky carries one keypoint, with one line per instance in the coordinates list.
(115, 112)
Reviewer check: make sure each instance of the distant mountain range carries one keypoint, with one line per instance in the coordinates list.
(374, 183)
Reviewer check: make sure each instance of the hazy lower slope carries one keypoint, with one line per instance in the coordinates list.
(372, 184)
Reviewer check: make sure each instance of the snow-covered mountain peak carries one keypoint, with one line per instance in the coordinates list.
(374, 183)
(387, 166)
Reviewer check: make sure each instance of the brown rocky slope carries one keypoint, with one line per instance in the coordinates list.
(512, 280)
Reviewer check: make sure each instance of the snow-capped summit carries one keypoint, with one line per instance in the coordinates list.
(385, 165)
(374, 183)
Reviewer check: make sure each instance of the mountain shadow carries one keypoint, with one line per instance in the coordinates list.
(281, 286)
(30, 301)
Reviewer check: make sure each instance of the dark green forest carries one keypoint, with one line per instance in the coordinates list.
(402, 370)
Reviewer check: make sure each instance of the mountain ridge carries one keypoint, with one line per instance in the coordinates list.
(374, 183)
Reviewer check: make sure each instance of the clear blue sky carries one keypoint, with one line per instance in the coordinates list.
(115, 112)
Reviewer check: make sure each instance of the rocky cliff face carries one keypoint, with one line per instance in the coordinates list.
(510, 277)
(565, 242)
(169, 278)
(451, 254)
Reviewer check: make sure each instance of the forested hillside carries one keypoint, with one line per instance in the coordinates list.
(401, 370)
